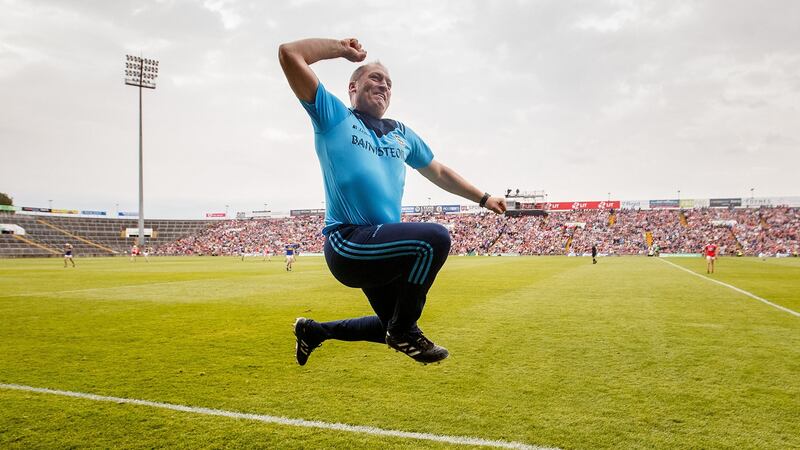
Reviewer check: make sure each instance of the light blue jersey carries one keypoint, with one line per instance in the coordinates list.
(363, 162)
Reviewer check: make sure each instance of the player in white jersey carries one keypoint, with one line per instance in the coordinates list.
(68, 256)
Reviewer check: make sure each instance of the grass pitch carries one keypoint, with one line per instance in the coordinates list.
(549, 351)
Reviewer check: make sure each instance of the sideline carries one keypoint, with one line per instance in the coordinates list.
(741, 291)
(126, 286)
(360, 429)
(72, 291)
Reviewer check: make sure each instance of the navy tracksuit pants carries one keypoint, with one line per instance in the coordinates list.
(395, 265)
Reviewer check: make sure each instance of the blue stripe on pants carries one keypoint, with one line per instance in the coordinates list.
(394, 264)
(423, 250)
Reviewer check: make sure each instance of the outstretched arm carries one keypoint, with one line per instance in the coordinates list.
(447, 179)
(296, 57)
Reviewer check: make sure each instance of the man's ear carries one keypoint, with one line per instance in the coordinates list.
(351, 87)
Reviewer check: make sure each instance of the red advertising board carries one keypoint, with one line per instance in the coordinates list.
(572, 206)
(215, 214)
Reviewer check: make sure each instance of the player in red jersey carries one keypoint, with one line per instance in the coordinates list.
(134, 252)
(710, 250)
(267, 254)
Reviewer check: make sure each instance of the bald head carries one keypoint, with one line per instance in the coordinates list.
(363, 68)
(370, 89)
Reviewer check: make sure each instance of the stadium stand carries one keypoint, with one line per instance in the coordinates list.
(46, 235)
(762, 231)
(12, 245)
(252, 236)
(624, 232)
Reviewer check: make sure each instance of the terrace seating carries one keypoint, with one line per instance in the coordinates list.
(90, 236)
(11, 246)
(624, 232)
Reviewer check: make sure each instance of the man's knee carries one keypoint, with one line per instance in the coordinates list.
(439, 238)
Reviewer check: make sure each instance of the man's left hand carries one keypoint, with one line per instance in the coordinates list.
(496, 204)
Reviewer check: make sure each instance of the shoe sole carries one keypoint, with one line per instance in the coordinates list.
(416, 360)
(296, 339)
(434, 362)
(425, 363)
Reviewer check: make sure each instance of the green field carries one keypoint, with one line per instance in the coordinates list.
(546, 351)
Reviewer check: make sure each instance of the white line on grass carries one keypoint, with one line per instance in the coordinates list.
(460, 440)
(741, 291)
(124, 286)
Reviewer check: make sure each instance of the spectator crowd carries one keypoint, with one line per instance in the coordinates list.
(764, 231)
(256, 236)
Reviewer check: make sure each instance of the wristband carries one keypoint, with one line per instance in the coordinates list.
(483, 200)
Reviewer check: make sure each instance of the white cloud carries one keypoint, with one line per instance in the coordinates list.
(634, 99)
(231, 19)
(626, 14)
(645, 15)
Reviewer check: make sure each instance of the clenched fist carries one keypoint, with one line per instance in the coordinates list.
(352, 50)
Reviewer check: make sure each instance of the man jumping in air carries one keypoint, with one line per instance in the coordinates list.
(363, 158)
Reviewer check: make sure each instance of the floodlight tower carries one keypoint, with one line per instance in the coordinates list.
(141, 72)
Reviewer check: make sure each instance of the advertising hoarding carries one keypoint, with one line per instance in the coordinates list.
(431, 209)
(758, 202)
(306, 212)
(572, 206)
(134, 232)
(725, 202)
(661, 204)
(701, 203)
(450, 209)
(635, 204)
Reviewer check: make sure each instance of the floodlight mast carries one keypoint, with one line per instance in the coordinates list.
(141, 72)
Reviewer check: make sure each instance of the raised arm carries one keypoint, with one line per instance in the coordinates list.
(296, 58)
(447, 179)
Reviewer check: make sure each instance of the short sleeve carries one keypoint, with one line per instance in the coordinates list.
(326, 111)
(420, 155)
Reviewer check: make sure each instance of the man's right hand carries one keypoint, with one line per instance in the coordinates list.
(296, 58)
(353, 51)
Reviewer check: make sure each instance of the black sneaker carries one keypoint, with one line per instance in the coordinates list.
(417, 346)
(308, 338)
